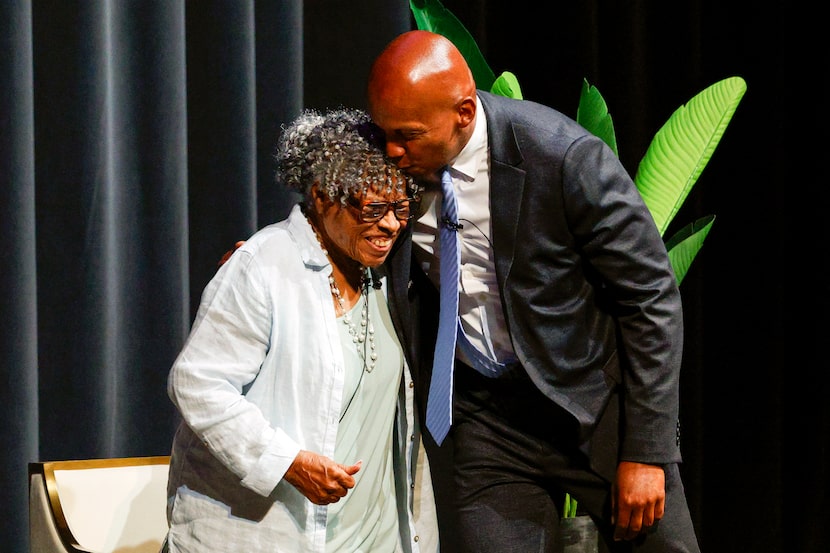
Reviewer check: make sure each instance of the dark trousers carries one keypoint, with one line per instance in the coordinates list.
(515, 455)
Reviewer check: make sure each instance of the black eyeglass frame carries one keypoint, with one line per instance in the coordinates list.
(378, 210)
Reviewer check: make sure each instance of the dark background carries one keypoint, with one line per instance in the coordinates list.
(135, 143)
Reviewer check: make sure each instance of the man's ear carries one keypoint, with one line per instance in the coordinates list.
(466, 111)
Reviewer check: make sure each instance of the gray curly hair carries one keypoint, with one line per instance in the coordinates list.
(342, 151)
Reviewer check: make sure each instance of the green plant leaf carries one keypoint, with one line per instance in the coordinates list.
(683, 146)
(569, 510)
(685, 243)
(431, 15)
(507, 85)
(592, 114)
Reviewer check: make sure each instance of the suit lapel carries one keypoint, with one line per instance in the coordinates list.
(506, 184)
(397, 268)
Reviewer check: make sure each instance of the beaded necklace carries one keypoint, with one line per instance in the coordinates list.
(367, 330)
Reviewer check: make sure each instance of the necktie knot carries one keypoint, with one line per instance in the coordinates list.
(448, 192)
(449, 207)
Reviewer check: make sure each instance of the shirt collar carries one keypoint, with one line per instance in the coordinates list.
(466, 164)
(309, 246)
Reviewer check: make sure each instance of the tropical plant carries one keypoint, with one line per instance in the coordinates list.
(677, 155)
(675, 158)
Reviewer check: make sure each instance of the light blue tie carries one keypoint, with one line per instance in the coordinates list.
(439, 402)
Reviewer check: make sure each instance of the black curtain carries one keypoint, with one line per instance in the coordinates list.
(135, 148)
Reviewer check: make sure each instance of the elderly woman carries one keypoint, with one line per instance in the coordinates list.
(298, 430)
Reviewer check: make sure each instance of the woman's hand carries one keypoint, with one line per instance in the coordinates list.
(319, 478)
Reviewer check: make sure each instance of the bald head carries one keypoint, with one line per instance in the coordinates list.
(421, 62)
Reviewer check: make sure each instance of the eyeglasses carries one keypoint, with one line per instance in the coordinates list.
(371, 212)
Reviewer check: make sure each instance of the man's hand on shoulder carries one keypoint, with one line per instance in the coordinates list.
(229, 253)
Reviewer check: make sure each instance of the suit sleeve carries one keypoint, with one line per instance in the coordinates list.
(624, 250)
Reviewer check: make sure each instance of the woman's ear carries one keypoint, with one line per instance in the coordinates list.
(318, 198)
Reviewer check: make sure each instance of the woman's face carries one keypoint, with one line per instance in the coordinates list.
(367, 243)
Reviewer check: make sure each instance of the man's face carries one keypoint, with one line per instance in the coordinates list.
(420, 141)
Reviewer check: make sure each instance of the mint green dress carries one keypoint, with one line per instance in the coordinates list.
(366, 520)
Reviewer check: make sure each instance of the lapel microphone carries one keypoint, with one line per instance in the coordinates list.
(450, 225)
(374, 280)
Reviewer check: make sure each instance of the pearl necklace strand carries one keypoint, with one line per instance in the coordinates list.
(367, 330)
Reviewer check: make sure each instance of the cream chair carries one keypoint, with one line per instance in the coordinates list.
(98, 505)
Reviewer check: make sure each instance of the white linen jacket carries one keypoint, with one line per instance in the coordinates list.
(260, 377)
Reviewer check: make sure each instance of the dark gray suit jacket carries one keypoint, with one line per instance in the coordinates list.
(588, 292)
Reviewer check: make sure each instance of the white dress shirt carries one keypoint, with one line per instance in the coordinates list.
(479, 303)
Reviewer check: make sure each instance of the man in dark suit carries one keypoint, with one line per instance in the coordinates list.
(570, 325)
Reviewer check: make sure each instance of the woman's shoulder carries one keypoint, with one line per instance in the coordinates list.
(289, 243)
(277, 235)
